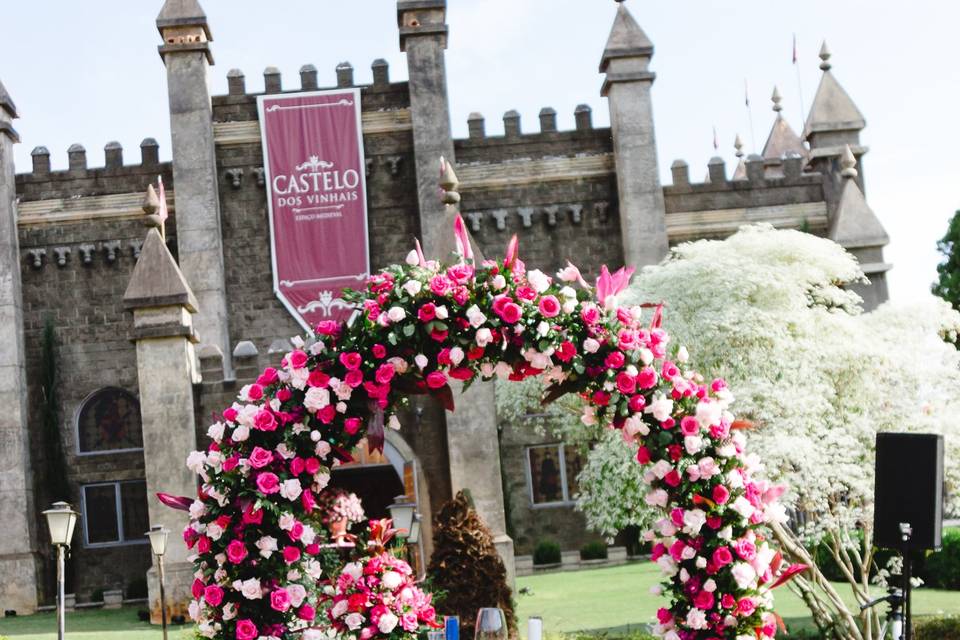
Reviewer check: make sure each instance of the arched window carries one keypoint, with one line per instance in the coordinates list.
(108, 421)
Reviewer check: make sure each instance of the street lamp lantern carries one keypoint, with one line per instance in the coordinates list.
(401, 512)
(158, 544)
(61, 520)
(158, 539)
(414, 536)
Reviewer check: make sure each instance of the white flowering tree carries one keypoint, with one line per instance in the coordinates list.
(767, 311)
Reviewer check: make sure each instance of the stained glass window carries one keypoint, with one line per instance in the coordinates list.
(109, 421)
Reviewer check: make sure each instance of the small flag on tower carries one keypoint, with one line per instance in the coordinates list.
(716, 143)
(794, 48)
(746, 93)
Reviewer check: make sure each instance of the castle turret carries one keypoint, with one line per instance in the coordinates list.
(833, 122)
(186, 54)
(18, 569)
(782, 141)
(423, 36)
(626, 62)
(856, 228)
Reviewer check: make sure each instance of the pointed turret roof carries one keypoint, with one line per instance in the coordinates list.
(626, 39)
(157, 280)
(854, 223)
(832, 109)
(740, 173)
(782, 139)
(6, 102)
(182, 13)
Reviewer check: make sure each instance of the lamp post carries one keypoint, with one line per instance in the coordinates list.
(414, 536)
(61, 520)
(401, 512)
(158, 544)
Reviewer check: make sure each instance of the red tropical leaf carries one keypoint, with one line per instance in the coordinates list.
(788, 574)
(179, 503)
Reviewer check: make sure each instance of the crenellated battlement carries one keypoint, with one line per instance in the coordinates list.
(79, 179)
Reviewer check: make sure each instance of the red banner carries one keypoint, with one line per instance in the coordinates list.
(316, 193)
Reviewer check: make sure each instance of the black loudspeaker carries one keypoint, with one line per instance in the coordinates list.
(908, 488)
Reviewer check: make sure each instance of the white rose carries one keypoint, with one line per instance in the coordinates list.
(396, 314)
(354, 621)
(484, 336)
(412, 258)
(538, 280)
(475, 316)
(412, 287)
(316, 398)
(297, 594)
(590, 345)
(421, 360)
(387, 623)
(251, 589)
(442, 312)
(743, 575)
(267, 545)
(456, 355)
(498, 282)
(216, 430)
(291, 489)
(353, 569)
(196, 460)
(339, 609)
(391, 580)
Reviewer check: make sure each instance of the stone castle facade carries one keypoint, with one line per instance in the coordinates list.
(144, 357)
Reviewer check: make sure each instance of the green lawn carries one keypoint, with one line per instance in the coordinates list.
(95, 624)
(618, 598)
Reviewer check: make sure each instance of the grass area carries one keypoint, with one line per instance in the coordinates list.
(619, 599)
(92, 624)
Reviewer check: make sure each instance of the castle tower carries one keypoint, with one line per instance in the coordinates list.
(782, 139)
(626, 62)
(18, 568)
(856, 228)
(833, 122)
(186, 54)
(423, 36)
(472, 441)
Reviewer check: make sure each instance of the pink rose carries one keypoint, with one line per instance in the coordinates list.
(439, 285)
(436, 379)
(511, 313)
(746, 607)
(280, 600)
(268, 483)
(268, 377)
(385, 373)
(260, 457)
(328, 328)
(721, 494)
(643, 455)
(745, 549)
(626, 383)
(627, 340)
(722, 556)
(549, 306)
(297, 465)
(351, 360)
(197, 588)
(427, 312)
(647, 378)
(230, 414)
(236, 551)
(664, 616)
(590, 314)
(689, 426)
(298, 359)
(352, 425)
(614, 360)
(353, 378)
(669, 370)
(246, 630)
(264, 421)
(291, 554)
(307, 612)
(254, 392)
(703, 600)
(318, 378)
(637, 403)
(213, 595)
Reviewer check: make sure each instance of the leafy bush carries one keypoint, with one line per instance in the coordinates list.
(942, 569)
(466, 567)
(938, 629)
(595, 550)
(546, 552)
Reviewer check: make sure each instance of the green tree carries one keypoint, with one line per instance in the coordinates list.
(948, 283)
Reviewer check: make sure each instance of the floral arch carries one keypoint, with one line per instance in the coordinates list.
(422, 327)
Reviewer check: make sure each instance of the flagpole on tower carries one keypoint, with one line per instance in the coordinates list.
(799, 84)
(746, 101)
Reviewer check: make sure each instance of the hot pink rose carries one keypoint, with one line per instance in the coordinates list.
(746, 607)
(590, 314)
(213, 595)
(643, 455)
(197, 588)
(745, 549)
(664, 616)
(328, 328)
(351, 360)
(291, 554)
(647, 378)
(264, 421)
(722, 556)
(511, 313)
(549, 306)
(236, 551)
(268, 377)
(230, 414)
(614, 360)
(436, 379)
(297, 465)
(427, 312)
(246, 630)
(689, 426)
(352, 425)
(298, 359)
(204, 544)
(312, 465)
(703, 600)
(728, 601)
(439, 285)
(318, 378)
(385, 373)
(306, 612)
(254, 392)
(268, 483)
(721, 494)
(626, 383)
(260, 457)
(280, 600)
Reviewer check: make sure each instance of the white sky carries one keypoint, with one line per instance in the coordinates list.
(89, 72)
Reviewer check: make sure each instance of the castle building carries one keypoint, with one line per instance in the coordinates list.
(154, 333)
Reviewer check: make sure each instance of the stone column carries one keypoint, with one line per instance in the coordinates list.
(186, 54)
(626, 62)
(163, 305)
(18, 561)
(423, 36)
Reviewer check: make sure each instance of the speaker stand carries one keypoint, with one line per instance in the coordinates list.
(906, 532)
